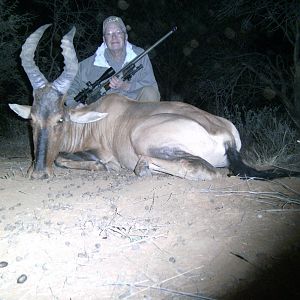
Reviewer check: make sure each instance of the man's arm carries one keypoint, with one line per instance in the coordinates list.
(76, 86)
(86, 72)
(144, 77)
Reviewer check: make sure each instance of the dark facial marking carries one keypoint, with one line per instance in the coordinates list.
(41, 151)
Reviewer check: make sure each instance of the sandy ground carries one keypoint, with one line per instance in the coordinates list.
(85, 235)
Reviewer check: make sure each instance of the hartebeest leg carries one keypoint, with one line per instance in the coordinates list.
(190, 167)
(81, 161)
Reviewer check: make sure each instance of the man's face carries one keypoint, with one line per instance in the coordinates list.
(114, 37)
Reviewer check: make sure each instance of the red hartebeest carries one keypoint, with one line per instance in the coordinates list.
(116, 132)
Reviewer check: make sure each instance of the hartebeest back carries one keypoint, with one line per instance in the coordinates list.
(115, 132)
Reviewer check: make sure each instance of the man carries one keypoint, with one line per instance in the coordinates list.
(116, 52)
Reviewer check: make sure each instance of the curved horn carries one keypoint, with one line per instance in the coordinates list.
(35, 76)
(63, 82)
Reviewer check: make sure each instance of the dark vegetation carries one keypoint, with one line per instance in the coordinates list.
(239, 59)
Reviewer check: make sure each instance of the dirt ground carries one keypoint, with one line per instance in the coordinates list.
(88, 235)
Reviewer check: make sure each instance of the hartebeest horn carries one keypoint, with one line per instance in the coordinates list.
(63, 82)
(35, 76)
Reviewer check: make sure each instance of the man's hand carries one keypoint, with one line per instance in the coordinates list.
(80, 105)
(116, 83)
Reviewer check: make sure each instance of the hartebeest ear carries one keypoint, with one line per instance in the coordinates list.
(83, 117)
(21, 110)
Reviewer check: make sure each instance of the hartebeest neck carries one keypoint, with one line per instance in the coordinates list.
(80, 137)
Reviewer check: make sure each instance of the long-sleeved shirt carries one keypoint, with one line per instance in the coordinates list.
(89, 71)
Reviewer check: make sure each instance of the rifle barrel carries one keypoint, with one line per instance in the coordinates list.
(153, 46)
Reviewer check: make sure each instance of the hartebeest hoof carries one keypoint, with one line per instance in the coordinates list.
(34, 174)
(142, 167)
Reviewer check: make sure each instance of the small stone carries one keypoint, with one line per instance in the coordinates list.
(22, 278)
(82, 255)
(3, 264)
(172, 259)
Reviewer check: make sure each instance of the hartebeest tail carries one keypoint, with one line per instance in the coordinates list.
(239, 168)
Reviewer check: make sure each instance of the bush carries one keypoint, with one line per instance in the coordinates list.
(13, 88)
(268, 136)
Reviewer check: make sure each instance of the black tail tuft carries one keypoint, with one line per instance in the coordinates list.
(239, 168)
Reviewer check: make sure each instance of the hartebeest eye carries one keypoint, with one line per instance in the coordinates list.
(61, 120)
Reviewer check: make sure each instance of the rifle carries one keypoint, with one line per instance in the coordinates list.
(98, 89)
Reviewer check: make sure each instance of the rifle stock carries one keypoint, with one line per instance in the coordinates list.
(98, 89)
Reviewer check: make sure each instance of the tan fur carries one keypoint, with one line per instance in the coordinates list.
(131, 129)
